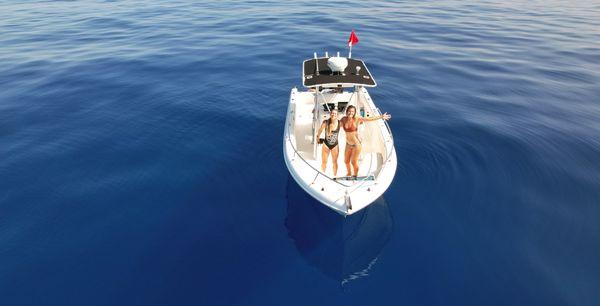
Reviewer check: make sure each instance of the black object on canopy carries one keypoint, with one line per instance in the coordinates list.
(328, 78)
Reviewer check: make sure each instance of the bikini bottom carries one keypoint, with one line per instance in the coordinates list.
(331, 146)
(352, 146)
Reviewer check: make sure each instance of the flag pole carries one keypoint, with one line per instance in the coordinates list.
(351, 41)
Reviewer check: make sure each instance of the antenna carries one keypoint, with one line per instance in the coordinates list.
(316, 64)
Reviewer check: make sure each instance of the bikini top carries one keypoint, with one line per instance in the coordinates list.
(350, 128)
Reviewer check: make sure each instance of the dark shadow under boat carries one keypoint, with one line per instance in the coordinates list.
(344, 248)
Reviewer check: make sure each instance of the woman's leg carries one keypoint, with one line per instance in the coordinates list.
(347, 155)
(334, 157)
(354, 158)
(324, 156)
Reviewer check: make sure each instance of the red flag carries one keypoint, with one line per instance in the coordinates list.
(353, 39)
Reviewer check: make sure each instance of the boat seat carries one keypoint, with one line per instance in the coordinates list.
(328, 106)
(341, 106)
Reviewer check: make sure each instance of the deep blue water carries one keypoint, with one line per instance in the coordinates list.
(141, 154)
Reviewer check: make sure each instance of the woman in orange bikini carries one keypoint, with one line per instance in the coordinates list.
(353, 146)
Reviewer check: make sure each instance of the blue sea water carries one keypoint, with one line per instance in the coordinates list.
(141, 154)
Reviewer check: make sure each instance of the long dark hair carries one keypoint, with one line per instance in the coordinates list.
(329, 121)
(353, 119)
(348, 109)
(333, 110)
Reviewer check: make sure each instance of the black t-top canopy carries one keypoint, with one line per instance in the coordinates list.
(327, 78)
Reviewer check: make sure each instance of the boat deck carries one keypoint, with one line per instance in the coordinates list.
(369, 162)
(377, 162)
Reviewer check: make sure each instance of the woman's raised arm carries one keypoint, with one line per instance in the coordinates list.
(385, 116)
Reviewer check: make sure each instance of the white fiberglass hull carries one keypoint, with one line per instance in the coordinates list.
(377, 162)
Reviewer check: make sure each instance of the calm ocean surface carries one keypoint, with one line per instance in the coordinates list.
(141, 154)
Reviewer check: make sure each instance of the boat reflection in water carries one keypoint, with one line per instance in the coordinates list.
(342, 248)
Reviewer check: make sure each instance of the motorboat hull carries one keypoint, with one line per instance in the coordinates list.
(378, 160)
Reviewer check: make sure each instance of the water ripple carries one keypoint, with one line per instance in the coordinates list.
(150, 133)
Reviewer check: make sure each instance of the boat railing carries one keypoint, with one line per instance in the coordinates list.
(356, 183)
(297, 153)
(390, 148)
(318, 172)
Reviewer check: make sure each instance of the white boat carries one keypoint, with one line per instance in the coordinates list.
(337, 82)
